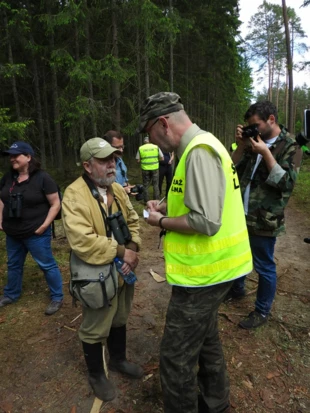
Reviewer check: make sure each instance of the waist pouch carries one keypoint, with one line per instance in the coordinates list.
(93, 285)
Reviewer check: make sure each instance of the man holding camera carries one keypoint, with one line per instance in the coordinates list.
(206, 247)
(87, 205)
(267, 160)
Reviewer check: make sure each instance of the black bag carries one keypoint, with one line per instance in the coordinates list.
(93, 285)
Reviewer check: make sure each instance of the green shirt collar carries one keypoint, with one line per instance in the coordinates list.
(190, 134)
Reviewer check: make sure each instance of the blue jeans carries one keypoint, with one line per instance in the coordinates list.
(40, 248)
(263, 260)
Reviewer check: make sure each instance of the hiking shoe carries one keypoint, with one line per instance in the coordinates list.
(5, 301)
(53, 307)
(307, 240)
(234, 295)
(253, 320)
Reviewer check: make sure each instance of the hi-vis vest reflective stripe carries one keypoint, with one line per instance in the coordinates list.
(149, 157)
(198, 259)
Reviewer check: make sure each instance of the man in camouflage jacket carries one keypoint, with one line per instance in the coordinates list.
(267, 167)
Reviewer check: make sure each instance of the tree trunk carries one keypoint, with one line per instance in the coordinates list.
(11, 62)
(138, 68)
(81, 118)
(90, 83)
(57, 129)
(171, 50)
(146, 62)
(47, 122)
(278, 89)
(289, 69)
(286, 100)
(115, 83)
(38, 107)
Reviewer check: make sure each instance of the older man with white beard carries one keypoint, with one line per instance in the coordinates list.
(87, 203)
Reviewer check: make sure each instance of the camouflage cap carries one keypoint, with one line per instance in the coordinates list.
(156, 105)
(96, 147)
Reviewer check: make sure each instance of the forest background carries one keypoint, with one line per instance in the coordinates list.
(71, 70)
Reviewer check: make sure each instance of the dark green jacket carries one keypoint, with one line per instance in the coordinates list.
(270, 191)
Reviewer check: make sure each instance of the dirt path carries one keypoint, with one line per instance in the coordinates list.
(42, 366)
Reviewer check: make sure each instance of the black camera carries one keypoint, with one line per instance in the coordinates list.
(301, 139)
(138, 191)
(119, 228)
(304, 138)
(250, 131)
(15, 205)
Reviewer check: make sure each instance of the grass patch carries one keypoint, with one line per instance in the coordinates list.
(302, 188)
(301, 197)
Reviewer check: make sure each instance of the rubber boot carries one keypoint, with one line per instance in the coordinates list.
(117, 350)
(98, 380)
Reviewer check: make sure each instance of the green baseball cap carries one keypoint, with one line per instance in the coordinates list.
(97, 148)
(159, 104)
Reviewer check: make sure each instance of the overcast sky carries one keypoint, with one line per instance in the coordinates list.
(249, 7)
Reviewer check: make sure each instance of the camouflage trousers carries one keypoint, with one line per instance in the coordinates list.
(191, 351)
(148, 178)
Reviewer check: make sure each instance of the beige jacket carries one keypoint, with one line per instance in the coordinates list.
(84, 225)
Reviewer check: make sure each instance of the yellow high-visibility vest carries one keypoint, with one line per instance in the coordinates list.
(200, 260)
(149, 157)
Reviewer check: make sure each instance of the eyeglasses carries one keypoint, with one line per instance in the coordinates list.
(118, 147)
(148, 129)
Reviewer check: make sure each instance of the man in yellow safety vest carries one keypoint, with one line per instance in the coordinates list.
(206, 247)
(148, 156)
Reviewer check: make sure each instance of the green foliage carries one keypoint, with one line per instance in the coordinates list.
(266, 40)
(7, 71)
(302, 188)
(107, 56)
(11, 130)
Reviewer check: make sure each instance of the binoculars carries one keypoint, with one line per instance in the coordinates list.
(15, 205)
(119, 228)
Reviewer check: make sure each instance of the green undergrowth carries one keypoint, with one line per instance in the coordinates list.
(301, 192)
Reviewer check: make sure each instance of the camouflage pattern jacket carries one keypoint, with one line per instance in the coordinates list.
(270, 191)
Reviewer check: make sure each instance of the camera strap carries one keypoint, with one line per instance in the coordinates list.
(95, 193)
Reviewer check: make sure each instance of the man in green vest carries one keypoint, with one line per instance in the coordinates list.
(148, 156)
(206, 247)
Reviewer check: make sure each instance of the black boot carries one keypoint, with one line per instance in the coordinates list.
(203, 408)
(98, 380)
(117, 350)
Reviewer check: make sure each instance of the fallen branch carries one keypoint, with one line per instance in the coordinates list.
(96, 406)
(75, 318)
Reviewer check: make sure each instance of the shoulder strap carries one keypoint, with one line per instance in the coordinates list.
(94, 191)
(278, 149)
